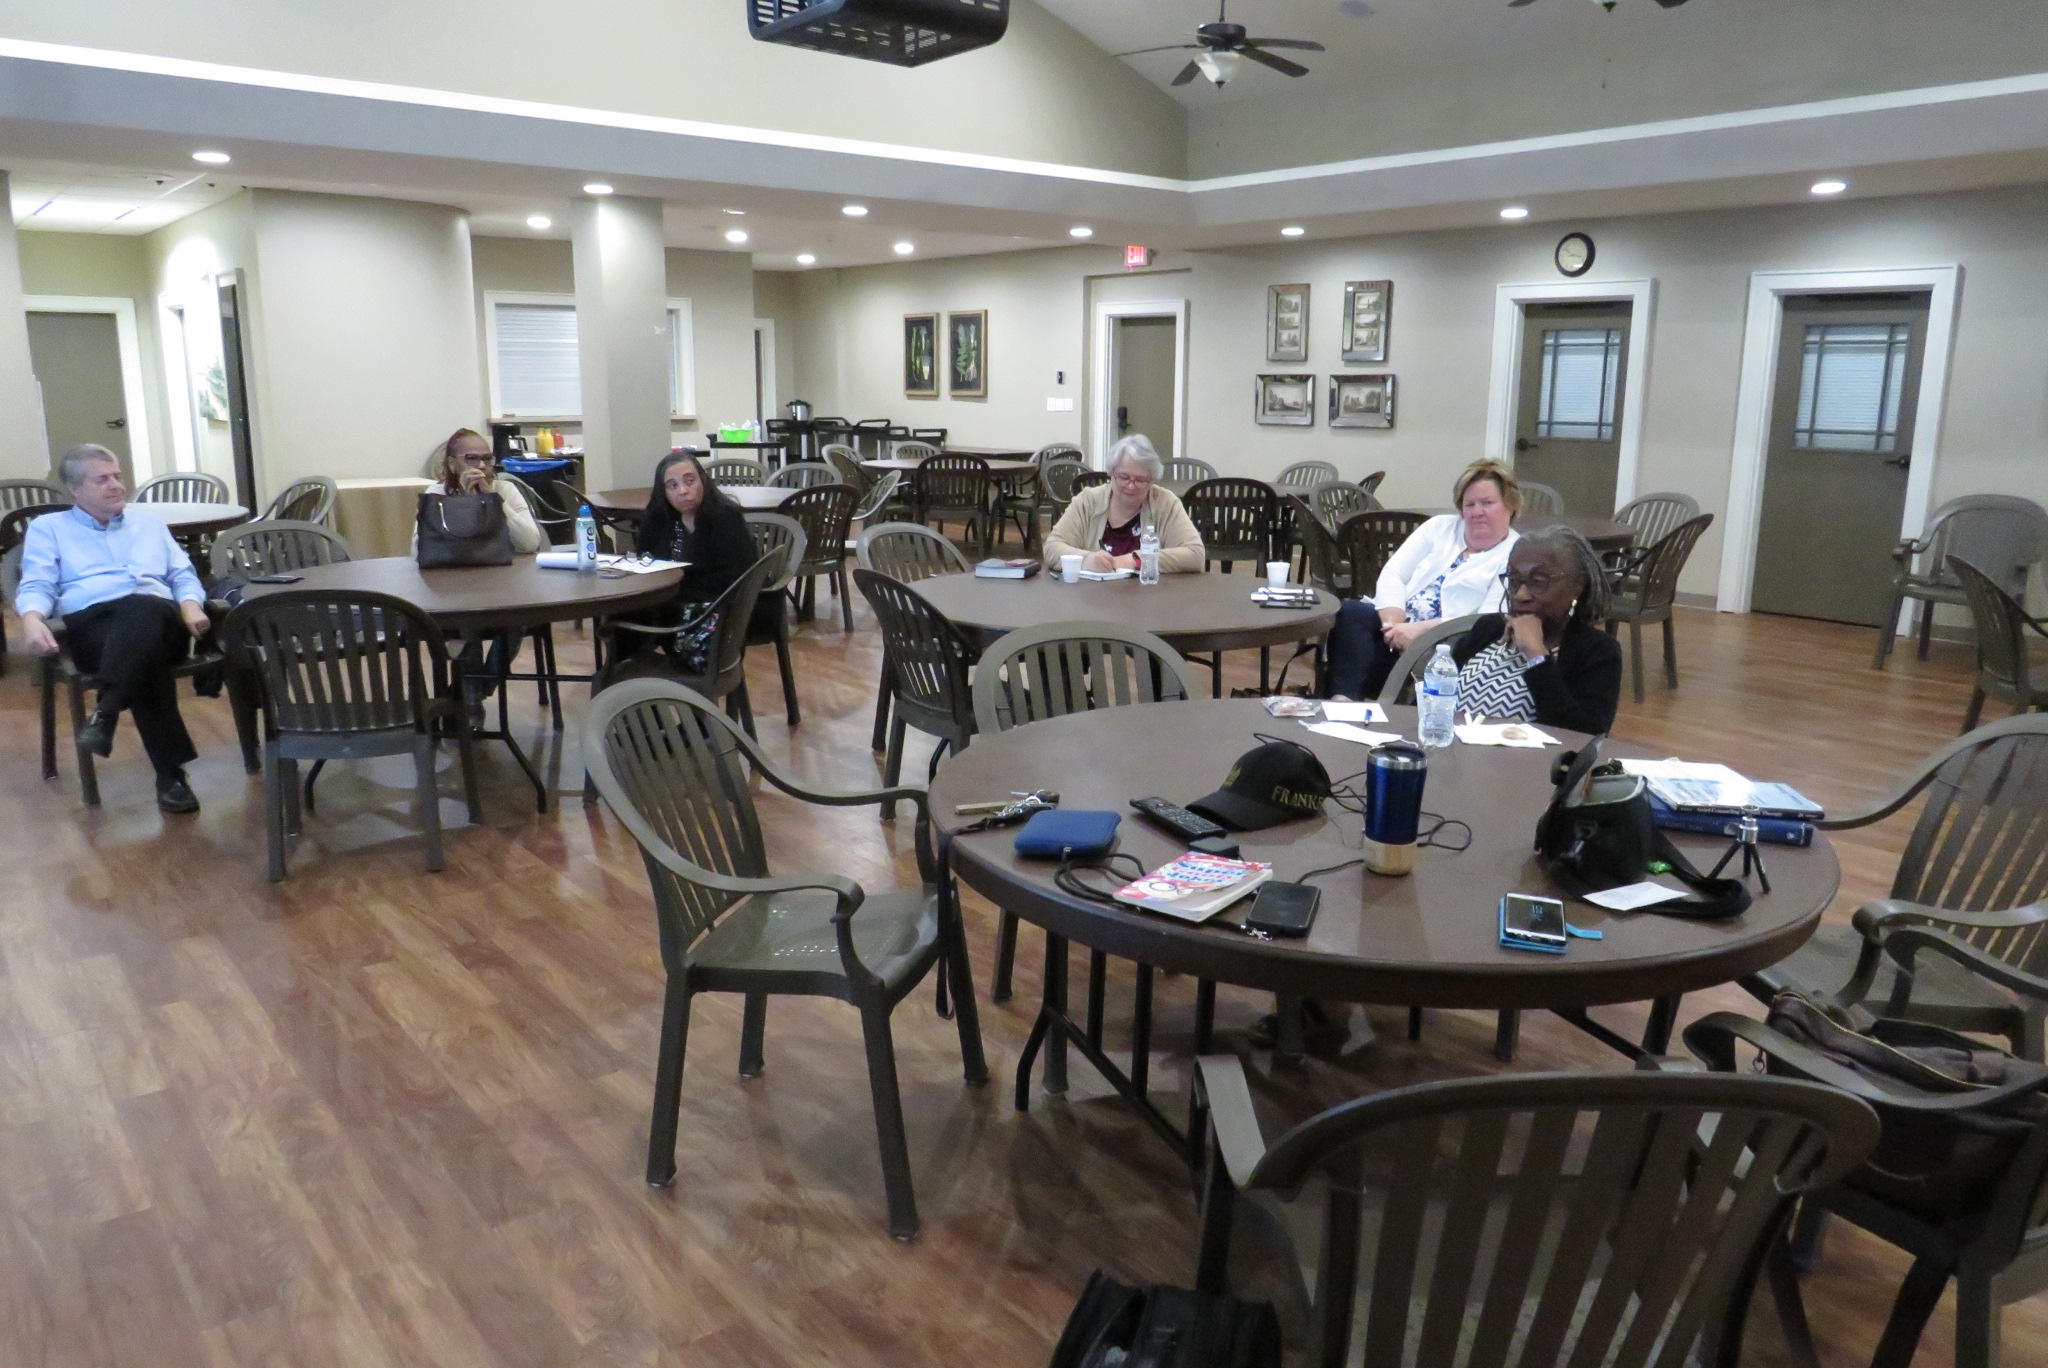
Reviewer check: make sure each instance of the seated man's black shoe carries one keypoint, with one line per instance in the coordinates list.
(97, 735)
(174, 795)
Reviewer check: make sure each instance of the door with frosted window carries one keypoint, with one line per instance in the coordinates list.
(1568, 428)
(1834, 485)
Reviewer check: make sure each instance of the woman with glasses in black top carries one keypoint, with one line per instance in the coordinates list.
(1545, 660)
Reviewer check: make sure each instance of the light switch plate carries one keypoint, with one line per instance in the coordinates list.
(1058, 405)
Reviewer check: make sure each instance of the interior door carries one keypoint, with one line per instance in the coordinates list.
(77, 361)
(1568, 421)
(1144, 380)
(1834, 485)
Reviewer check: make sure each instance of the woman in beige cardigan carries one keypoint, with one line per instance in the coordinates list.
(1103, 523)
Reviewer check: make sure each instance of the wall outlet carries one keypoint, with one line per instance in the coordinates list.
(1059, 405)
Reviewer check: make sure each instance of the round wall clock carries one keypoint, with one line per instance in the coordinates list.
(1574, 254)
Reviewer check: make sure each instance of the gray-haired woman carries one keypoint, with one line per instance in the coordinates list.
(1103, 523)
(1545, 660)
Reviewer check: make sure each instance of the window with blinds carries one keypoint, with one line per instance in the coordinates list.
(1580, 384)
(534, 366)
(1852, 378)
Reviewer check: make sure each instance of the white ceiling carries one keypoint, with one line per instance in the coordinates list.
(69, 198)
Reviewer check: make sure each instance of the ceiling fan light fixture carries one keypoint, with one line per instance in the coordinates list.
(1219, 67)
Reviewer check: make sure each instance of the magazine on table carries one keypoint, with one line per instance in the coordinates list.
(1689, 786)
(1194, 886)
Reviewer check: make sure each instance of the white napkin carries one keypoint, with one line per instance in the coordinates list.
(1524, 735)
(1344, 731)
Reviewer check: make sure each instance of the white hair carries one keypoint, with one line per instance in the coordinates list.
(71, 465)
(1137, 449)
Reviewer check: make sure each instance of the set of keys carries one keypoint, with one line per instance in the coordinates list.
(998, 812)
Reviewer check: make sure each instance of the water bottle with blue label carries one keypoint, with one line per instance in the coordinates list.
(1148, 556)
(1436, 700)
(586, 542)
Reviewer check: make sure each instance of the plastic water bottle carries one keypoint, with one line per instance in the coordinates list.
(1437, 699)
(586, 542)
(1148, 556)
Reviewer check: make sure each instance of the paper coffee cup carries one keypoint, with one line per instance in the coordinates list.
(1276, 573)
(1070, 569)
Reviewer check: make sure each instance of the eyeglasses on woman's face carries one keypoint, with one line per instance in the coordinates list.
(1132, 479)
(1537, 582)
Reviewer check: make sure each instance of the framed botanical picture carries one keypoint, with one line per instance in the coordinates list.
(921, 356)
(1288, 400)
(1368, 312)
(1287, 323)
(1361, 401)
(967, 354)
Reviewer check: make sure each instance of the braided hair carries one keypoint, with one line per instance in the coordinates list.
(1577, 553)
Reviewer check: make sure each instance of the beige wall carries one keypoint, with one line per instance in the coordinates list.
(1043, 93)
(27, 456)
(1637, 65)
(184, 257)
(1995, 436)
(776, 300)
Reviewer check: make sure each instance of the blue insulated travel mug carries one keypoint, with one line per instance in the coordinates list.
(1394, 775)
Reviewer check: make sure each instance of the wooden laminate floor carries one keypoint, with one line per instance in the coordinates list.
(375, 1116)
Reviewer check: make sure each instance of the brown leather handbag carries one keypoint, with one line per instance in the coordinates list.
(462, 529)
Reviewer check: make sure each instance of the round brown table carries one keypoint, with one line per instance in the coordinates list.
(495, 597)
(1430, 939)
(1207, 612)
(907, 464)
(198, 519)
(1604, 535)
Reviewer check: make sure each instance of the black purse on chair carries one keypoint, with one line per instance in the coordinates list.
(462, 529)
(1599, 832)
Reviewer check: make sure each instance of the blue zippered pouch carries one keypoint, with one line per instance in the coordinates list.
(1060, 834)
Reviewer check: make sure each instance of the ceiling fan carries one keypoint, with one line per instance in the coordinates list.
(1221, 45)
(1607, 5)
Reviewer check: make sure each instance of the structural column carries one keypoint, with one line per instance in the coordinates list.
(27, 448)
(622, 328)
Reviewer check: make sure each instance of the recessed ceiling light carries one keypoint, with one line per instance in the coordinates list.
(1293, 230)
(539, 221)
(905, 248)
(1515, 211)
(854, 210)
(212, 158)
(736, 213)
(1080, 230)
(1830, 187)
(806, 259)
(735, 235)
(597, 188)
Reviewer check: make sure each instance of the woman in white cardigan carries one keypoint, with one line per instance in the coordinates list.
(1449, 567)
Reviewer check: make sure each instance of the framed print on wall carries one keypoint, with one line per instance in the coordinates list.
(1286, 400)
(967, 354)
(921, 356)
(1368, 313)
(1361, 401)
(1287, 323)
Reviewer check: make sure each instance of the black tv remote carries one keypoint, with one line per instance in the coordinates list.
(1178, 820)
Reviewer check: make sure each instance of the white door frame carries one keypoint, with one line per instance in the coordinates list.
(1102, 393)
(1754, 399)
(764, 328)
(1504, 388)
(129, 338)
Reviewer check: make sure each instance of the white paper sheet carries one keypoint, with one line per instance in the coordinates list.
(566, 560)
(1629, 897)
(1344, 731)
(1353, 712)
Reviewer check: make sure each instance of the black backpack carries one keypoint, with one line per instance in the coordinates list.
(1165, 1327)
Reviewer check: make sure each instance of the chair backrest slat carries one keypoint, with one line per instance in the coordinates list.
(186, 487)
(781, 535)
(332, 662)
(2001, 534)
(1336, 500)
(1187, 468)
(908, 552)
(308, 500)
(846, 462)
(930, 659)
(825, 512)
(1655, 580)
(735, 470)
(14, 522)
(2001, 629)
(1654, 516)
(804, 475)
(16, 494)
(1307, 475)
(1037, 673)
(879, 496)
(1234, 514)
(950, 482)
(1540, 498)
(1366, 541)
(275, 546)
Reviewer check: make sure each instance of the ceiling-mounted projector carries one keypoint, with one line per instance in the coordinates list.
(903, 33)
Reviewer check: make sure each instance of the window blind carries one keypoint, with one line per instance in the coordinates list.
(1852, 377)
(1581, 371)
(537, 363)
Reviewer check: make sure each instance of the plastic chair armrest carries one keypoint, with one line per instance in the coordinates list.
(1905, 944)
(849, 893)
(1876, 920)
(1232, 1119)
(1671, 1064)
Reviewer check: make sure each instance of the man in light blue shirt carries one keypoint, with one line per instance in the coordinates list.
(131, 604)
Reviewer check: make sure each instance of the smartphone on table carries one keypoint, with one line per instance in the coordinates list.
(1528, 922)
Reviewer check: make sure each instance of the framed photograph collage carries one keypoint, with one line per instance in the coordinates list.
(960, 353)
(1364, 400)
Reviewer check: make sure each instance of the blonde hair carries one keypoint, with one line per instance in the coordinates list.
(1503, 480)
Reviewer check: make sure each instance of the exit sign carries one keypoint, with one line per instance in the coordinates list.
(1134, 257)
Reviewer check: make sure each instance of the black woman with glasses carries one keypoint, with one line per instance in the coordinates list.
(1545, 660)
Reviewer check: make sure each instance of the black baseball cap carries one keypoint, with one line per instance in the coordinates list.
(1272, 783)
